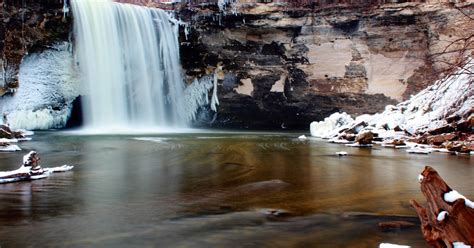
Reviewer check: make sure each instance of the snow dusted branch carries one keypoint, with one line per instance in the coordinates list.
(448, 220)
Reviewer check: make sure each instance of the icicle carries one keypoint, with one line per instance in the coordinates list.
(65, 9)
(214, 99)
(197, 95)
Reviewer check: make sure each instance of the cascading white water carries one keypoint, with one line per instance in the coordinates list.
(129, 61)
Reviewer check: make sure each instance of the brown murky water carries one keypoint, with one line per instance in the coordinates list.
(215, 190)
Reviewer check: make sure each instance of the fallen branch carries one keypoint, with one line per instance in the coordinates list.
(449, 216)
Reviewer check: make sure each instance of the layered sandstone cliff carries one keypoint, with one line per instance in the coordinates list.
(285, 66)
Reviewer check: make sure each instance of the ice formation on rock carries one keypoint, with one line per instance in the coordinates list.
(197, 95)
(48, 85)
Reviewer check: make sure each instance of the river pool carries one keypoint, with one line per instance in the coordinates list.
(216, 190)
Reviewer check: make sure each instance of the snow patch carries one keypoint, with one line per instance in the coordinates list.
(21, 170)
(442, 215)
(152, 139)
(58, 169)
(330, 125)
(3, 140)
(420, 178)
(359, 145)
(460, 245)
(418, 150)
(302, 137)
(388, 245)
(10, 148)
(453, 195)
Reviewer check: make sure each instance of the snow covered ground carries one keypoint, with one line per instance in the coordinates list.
(430, 109)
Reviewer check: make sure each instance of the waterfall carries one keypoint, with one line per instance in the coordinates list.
(128, 57)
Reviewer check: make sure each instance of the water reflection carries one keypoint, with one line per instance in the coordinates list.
(206, 190)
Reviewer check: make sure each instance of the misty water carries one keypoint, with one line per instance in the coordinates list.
(216, 190)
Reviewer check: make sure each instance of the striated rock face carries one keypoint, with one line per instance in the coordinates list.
(26, 27)
(285, 67)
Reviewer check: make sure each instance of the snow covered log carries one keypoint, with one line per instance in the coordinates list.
(449, 216)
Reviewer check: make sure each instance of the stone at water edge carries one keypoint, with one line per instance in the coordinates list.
(365, 138)
(6, 132)
(438, 140)
(460, 146)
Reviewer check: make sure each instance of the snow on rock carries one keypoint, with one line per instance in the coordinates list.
(418, 150)
(10, 148)
(48, 85)
(341, 153)
(3, 140)
(58, 169)
(442, 215)
(429, 110)
(460, 245)
(420, 178)
(302, 137)
(359, 145)
(21, 170)
(330, 125)
(28, 157)
(453, 195)
(388, 245)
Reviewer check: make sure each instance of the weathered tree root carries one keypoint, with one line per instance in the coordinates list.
(457, 226)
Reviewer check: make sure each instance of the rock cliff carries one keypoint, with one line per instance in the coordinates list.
(283, 66)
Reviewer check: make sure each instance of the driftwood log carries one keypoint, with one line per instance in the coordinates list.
(457, 226)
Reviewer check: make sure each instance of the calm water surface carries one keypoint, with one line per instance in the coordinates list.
(216, 190)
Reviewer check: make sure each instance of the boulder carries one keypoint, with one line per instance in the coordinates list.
(438, 140)
(460, 146)
(364, 138)
(443, 129)
(6, 132)
(466, 125)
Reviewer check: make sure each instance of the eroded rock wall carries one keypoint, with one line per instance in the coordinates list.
(284, 67)
(28, 26)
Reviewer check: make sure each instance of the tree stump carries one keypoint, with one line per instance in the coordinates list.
(442, 229)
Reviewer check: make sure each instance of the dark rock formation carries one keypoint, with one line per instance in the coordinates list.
(28, 26)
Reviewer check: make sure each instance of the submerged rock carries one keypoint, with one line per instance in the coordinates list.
(395, 225)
